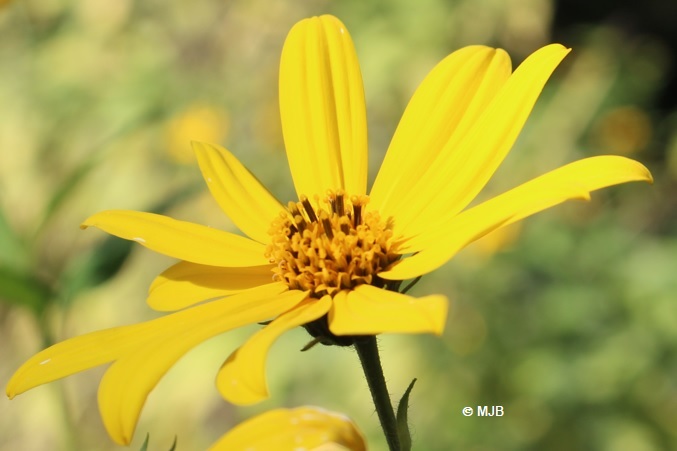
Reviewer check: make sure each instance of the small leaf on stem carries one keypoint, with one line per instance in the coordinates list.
(402, 420)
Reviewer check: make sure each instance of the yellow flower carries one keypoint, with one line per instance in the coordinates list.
(197, 122)
(334, 260)
(308, 428)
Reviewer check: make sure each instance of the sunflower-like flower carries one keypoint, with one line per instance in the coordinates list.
(307, 427)
(332, 260)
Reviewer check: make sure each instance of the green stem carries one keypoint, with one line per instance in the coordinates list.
(371, 364)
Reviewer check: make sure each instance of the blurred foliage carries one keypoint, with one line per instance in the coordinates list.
(569, 321)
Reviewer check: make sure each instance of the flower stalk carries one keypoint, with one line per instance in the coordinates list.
(367, 350)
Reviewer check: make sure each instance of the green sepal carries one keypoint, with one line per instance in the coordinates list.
(403, 421)
(311, 344)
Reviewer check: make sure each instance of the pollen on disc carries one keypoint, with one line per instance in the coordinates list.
(331, 245)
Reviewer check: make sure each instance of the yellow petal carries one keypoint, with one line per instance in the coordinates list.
(291, 429)
(242, 378)
(573, 181)
(239, 194)
(72, 356)
(186, 283)
(444, 106)
(322, 108)
(143, 352)
(96, 348)
(368, 310)
(129, 380)
(462, 170)
(183, 240)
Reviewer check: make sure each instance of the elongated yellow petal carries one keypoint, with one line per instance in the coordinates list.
(239, 194)
(96, 348)
(441, 111)
(72, 356)
(143, 352)
(368, 310)
(322, 108)
(573, 181)
(462, 170)
(185, 284)
(183, 240)
(242, 378)
(289, 429)
(128, 381)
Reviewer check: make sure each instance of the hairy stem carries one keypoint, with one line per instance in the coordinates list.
(367, 350)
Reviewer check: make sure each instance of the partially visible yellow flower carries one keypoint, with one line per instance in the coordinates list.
(199, 122)
(308, 428)
(334, 260)
(625, 130)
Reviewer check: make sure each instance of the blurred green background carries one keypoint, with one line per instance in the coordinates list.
(568, 321)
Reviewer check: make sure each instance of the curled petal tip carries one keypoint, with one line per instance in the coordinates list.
(86, 223)
(636, 170)
(557, 45)
(648, 177)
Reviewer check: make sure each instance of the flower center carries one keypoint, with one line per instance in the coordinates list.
(330, 248)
